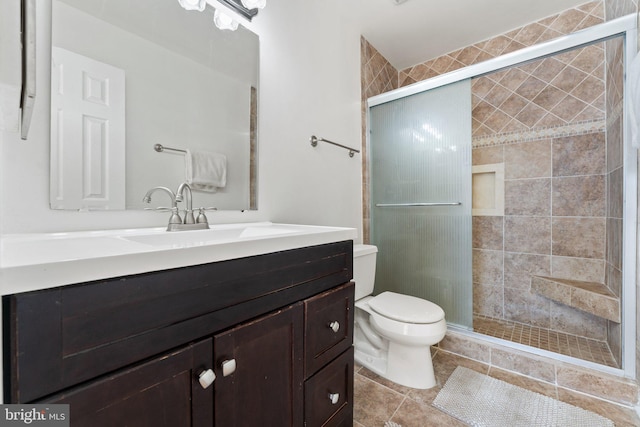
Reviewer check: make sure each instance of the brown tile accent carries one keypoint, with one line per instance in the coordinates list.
(614, 193)
(488, 300)
(518, 269)
(528, 235)
(476, 349)
(605, 386)
(529, 197)
(487, 155)
(614, 242)
(373, 403)
(579, 237)
(487, 267)
(581, 324)
(528, 160)
(524, 364)
(591, 297)
(488, 232)
(579, 196)
(618, 414)
(590, 270)
(526, 307)
(579, 155)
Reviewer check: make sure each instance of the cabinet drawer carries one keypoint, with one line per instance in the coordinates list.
(328, 326)
(329, 394)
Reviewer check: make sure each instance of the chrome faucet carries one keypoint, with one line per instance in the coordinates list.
(175, 222)
(175, 216)
(188, 216)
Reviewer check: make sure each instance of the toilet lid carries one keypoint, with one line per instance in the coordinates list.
(405, 308)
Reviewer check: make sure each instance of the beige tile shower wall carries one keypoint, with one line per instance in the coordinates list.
(377, 76)
(554, 225)
(559, 95)
(614, 100)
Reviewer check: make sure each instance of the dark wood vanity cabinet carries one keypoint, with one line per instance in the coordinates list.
(265, 386)
(275, 329)
(161, 392)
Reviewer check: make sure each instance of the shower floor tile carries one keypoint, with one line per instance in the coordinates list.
(558, 342)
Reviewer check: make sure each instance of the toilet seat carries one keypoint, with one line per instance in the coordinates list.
(406, 309)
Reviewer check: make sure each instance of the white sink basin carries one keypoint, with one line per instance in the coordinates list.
(38, 261)
(214, 235)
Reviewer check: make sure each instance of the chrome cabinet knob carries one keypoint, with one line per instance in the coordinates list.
(228, 367)
(335, 326)
(206, 378)
(334, 398)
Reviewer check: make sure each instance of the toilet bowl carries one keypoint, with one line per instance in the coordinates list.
(393, 332)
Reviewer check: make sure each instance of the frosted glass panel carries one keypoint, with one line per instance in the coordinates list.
(420, 152)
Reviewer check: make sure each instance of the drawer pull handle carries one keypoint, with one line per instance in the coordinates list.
(206, 378)
(228, 367)
(335, 326)
(334, 398)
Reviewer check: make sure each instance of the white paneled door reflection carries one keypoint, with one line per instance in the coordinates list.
(87, 133)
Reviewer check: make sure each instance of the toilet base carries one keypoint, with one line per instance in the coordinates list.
(407, 366)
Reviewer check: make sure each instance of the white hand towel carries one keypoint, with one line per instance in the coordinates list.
(206, 171)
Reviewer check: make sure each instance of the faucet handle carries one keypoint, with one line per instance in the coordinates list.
(202, 218)
(175, 217)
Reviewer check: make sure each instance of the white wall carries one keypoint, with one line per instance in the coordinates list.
(309, 84)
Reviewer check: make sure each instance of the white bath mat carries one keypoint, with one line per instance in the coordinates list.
(480, 400)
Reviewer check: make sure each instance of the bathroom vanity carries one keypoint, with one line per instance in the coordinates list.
(275, 330)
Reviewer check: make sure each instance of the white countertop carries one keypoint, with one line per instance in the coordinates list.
(38, 261)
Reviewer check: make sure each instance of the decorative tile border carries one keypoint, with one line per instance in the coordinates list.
(580, 128)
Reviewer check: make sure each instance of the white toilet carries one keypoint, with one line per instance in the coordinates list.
(393, 332)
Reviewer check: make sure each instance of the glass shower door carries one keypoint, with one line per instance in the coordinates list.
(420, 178)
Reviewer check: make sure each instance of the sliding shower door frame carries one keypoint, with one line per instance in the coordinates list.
(625, 27)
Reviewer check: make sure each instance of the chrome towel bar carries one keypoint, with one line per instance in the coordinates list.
(314, 141)
(404, 205)
(160, 148)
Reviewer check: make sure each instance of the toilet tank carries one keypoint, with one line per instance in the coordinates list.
(364, 269)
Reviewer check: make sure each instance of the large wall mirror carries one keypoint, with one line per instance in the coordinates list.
(129, 75)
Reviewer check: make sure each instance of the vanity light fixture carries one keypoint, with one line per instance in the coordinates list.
(254, 4)
(224, 21)
(245, 8)
(198, 5)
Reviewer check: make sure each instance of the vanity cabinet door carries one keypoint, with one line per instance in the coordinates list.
(163, 392)
(259, 372)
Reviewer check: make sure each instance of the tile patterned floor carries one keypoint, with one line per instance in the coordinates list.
(377, 400)
(558, 342)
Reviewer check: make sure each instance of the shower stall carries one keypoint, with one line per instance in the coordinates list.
(505, 192)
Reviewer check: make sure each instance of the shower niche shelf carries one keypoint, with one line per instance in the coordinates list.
(591, 297)
(488, 190)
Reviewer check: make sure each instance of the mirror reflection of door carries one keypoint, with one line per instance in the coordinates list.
(87, 133)
(188, 86)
